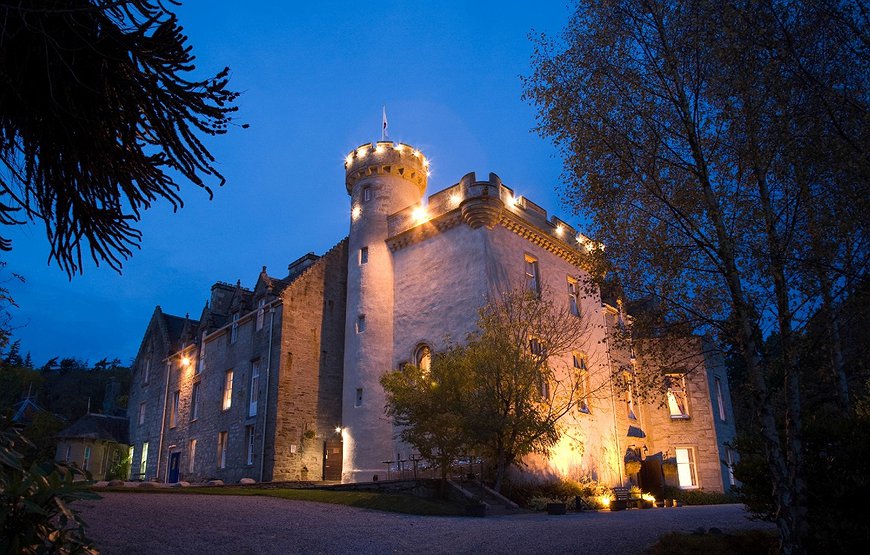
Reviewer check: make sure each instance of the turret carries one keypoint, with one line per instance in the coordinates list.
(381, 179)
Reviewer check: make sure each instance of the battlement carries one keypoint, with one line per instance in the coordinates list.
(486, 204)
(386, 157)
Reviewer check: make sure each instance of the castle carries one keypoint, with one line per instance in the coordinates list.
(281, 382)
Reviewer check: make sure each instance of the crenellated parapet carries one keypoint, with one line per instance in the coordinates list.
(487, 204)
(386, 158)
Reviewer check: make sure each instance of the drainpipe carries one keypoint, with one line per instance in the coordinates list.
(266, 404)
(612, 396)
(163, 418)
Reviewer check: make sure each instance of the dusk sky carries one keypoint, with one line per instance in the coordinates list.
(314, 78)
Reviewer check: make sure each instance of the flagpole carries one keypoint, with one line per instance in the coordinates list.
(384, 124)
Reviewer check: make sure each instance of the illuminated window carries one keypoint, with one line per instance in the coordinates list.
(573, 296)
(423, 357)
(359, 397)
(143, 460)
(686, 467)
(201, 366)
(228, 390)
(582, 382)
(249, 436)
(255, 388)
(533, 278)
(194, 402)
(677, 399)
(361, 323)
(141, 413)
(234, 330)
(191, 461)
(173, 409)
(87, 458)
(629, 396)
(367, 194)
(261, 313)
(720, 399)
(364, 255)
(222, 449)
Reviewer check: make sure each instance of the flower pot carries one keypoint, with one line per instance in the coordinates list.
(556, 508)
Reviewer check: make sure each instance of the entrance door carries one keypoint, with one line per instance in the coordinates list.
(332, 453)
(651, 476)
(174, 462)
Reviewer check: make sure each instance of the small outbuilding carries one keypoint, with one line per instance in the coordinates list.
(98, 443)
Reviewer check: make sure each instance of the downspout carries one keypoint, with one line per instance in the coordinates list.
(612, 397)
(266, 404)
(163, 418)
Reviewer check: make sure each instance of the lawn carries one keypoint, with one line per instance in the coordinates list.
(389, 502)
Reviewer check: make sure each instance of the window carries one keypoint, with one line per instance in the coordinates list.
(222, 450)
(234, 330)
(686, 467)
(730, 459)
(361, 323)
(192, 458)
(367, 194)
(255, 388)
(533, 278)
(194, 402)
(423, 357)
(228, 390)
(261, 313)
(173, 410)
(201, 366)
(677, 399)
(573, 296)
(87, 458)
(249, 436)
(359, 393)
(143, 461)
(141, 413)
(364, 255)
(146, 372)
(582, 382)
(629, 396)
(720, 399)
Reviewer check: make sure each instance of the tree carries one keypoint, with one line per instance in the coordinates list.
(700, 139)
(99, 118)
(504, 392)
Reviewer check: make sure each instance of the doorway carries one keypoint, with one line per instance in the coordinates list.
(174, 463)
(332, 454)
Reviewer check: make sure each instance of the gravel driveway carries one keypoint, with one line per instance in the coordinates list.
(204, 524)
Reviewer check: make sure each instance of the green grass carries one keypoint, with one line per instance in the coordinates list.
(389, 502)
(752, 542)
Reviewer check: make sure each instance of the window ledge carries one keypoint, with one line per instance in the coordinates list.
(682, 417)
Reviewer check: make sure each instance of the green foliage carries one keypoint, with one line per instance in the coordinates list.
(121, 469)
(100, 118)
(564, 490)
(35, 511)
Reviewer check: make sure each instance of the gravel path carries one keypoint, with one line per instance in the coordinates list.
(181, 523)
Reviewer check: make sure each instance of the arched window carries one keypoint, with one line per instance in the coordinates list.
(423, 357)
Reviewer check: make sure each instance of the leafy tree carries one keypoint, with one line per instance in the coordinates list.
(504, 392)
(720, 151)
(99, 118)
(430, 404)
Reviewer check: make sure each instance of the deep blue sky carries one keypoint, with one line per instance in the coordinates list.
(314, 76)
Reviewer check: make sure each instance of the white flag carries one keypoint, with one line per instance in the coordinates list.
(384, 127)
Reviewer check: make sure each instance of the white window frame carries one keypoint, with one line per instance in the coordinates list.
(201, 366)
(573, 296)
(583, 377)
(173, 409)
(86, 457)
(261, 313)
(533, 274)
(142, 408)
(249, 433)
(720, 399)
(254, 394)
(677, 396)
(223, 441)
(143, 459)
(191, 459)
(228, 390)
(194, 401)
(687, 467)
(234, 329)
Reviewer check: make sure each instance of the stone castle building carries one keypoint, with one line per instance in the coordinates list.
(281, 382)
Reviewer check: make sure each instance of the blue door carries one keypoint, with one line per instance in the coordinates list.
(174, 461)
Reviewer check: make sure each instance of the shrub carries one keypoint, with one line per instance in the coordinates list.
(699, 496)
(562, 490)
(35, 516)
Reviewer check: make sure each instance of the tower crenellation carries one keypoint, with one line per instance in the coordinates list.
(387, 158)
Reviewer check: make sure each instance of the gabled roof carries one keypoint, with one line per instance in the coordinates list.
(98, 427)
(25, 409)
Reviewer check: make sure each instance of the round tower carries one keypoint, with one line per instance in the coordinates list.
(381, 180)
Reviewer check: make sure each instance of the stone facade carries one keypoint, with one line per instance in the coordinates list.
(306, 351)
